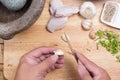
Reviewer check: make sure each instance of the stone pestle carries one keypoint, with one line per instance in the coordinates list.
(14, 5)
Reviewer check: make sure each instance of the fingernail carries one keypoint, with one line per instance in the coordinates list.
(54, 57)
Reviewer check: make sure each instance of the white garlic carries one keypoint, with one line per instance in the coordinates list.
(88, 10)
(56, 23)
(66, 11)
(64, 37)
(55, 4)
(86, 24)
(59, 52)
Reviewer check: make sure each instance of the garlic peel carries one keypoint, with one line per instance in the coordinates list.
(66, 11)
(88, 10)
(86, 24)
(59, 52)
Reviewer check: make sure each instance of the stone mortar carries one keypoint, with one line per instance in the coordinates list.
(12, 22)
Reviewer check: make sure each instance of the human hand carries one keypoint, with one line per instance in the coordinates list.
(36, 64)
(89, 71)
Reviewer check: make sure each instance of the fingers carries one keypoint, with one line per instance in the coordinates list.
(41, 51)
(83, 73)
(60, 62)
(90, 66)
(47, 63)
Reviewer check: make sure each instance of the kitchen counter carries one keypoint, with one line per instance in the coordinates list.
(37, 36)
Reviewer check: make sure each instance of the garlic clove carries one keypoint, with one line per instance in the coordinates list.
(55, 4)
(88, 10)
(56, 23)
(64, 38)
(66, 11)
(59, 52)
(92, 34)
(86, 24)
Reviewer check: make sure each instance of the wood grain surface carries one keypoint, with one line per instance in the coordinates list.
(37, 36)
(1, 60)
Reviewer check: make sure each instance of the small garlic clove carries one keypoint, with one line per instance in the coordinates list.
(66, 11)
(56, 23)
(88, 10)
(63, 37)
(55, 4)
(86, 24)
(59, 52)
(92, 34)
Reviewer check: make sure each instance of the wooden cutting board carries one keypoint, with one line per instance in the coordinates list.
(37, 36)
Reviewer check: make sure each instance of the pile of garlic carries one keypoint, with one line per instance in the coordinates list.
(60, 14)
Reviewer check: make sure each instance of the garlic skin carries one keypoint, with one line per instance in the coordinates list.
(86, 24)
(55, 4)
(59, 52)
(56, 23)
(88, 10)
(66, 11)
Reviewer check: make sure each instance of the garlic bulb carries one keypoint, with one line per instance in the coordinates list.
(59, 52)
(56, 23)
(86, 24)
(66, 11)
(88, 10)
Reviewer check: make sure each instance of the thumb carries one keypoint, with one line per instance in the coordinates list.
(83, 73)
(48, 63)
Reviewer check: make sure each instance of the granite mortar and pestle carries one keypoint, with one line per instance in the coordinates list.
(18, 15)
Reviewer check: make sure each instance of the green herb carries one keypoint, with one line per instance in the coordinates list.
(109, 40)
(118, 58)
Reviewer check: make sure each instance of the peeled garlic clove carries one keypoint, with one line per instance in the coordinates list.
(55, 4)
(59, 52)
(64, 37)
(56, 23)
(92, 34)
(86, 24)
(66, 11)
(88, 10)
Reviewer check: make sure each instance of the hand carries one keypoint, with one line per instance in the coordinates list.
(36, 64)
(89, 71)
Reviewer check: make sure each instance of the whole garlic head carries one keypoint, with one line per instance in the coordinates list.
(86, 24)
(88, 10)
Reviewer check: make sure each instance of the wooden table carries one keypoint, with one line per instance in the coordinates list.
(37, 36)
(1, 60)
